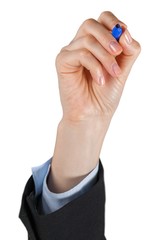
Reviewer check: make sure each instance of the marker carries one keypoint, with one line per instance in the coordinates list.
(117, 32)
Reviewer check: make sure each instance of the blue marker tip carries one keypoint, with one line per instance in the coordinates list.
(117, 32)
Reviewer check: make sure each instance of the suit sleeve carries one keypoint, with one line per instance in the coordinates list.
(81, 219)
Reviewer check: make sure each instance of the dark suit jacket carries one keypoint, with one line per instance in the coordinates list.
(81, 219)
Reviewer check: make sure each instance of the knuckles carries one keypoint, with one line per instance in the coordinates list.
(88, 23)
(112, 18)
(57, 59)
(105, 14)
(60, 56)
(138, 48)
(84, 53)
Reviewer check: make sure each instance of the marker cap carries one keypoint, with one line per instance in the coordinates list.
(117, 31)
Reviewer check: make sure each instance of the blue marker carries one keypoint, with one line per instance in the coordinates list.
(117, 32)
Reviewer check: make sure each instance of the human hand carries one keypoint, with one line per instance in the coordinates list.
(93, 68)
(92, 71)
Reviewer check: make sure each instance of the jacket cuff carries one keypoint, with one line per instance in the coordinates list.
(80, 219)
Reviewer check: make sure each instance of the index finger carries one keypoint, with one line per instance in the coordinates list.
(109, 20)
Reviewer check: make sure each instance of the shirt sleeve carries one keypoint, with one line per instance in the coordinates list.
(50, 201)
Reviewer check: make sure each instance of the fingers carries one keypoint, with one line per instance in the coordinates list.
(96, 39)
(101, 33)
(131, 50)
(109, 20)
(129, 45)
(96, 49)
(77, 59)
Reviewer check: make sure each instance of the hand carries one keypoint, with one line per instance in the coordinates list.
(92, 71)
(93, 68)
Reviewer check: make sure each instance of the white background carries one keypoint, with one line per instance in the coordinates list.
(31, 34)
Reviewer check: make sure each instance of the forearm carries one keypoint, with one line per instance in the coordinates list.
(76, 153)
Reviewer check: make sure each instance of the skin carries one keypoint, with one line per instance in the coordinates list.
(92, 72)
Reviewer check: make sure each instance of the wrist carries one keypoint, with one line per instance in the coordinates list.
(80, 142)
(77, 150)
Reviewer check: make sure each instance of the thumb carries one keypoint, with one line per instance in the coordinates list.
(131, 50)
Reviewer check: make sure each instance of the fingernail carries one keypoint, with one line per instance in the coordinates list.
(116, 69)
(128, 37)
(101, 80)
(115, 47)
